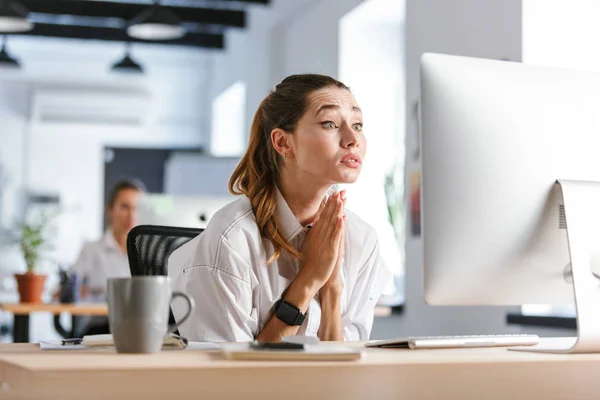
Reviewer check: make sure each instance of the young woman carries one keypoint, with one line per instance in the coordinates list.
(287, 259)
(107, 257)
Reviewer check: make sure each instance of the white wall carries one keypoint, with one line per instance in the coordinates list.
(309, 41)
(243, 61)
(14, 111)
(564, 34)
(490, 28)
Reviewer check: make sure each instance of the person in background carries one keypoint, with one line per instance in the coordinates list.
(286, 258)
(107, 257)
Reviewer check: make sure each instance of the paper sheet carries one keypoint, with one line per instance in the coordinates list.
(58, 345)
(203, 346)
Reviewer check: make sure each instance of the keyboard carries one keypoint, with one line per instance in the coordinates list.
(462, 341)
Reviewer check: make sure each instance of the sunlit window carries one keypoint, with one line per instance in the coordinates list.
(227, 133)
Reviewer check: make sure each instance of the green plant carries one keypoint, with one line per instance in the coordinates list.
(394, 193)
(33, 240)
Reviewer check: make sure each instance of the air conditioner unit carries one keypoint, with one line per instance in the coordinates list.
(91, 105)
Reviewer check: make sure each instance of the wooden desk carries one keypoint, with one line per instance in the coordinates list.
(21, 313)
(56, 308)
(485, 373)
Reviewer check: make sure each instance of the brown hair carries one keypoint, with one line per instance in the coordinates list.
(125, 184)
(257, 174)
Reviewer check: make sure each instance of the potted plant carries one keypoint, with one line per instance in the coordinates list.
(32, 241)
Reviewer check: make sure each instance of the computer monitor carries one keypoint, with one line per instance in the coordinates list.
(511, 187)
(180, 211)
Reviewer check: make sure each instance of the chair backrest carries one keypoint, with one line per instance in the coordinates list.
(149, 248)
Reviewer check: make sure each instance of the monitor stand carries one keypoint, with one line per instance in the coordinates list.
(582, 213)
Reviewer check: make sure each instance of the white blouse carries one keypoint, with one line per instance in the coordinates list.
(98, 261)
(225, 270)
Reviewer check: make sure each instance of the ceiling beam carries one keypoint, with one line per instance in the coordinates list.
(264, 2)
(127, 11)
(202, 40)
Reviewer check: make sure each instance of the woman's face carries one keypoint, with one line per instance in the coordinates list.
(328, 143)
(123, 213)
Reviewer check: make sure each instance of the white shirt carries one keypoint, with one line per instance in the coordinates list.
(98, 261)
(225, 271)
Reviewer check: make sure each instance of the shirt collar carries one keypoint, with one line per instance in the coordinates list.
(287, 221)
(110, 241)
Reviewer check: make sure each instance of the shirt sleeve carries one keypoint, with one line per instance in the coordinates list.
(222, 294)
(357, 320)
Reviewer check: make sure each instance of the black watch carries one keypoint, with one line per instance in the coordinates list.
(289, 313)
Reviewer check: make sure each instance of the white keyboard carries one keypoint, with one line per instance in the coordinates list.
(447, 342)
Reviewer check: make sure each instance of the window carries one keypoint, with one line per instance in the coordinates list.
(227, 133)
(371, 63)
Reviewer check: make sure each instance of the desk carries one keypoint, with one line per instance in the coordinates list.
(21, 313)
(484, 373)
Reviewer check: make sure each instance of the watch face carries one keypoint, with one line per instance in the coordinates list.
(287, 313)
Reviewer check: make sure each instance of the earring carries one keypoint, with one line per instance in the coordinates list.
(284, 155)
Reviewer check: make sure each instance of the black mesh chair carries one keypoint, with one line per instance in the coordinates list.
(149, 248)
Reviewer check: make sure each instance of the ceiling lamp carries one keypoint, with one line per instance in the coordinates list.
(156, 23)
(13, 17)
(5, 59)
(127, 65)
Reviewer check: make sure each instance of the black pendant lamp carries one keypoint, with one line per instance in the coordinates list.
(6, 61)
(156, 23)
(127, 64)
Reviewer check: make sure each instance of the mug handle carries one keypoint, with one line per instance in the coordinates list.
(191, 305)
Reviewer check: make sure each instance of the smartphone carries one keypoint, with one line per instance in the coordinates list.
(71, 342)
(276, 346)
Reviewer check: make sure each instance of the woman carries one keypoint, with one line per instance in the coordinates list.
(107, 257)
(286, 259)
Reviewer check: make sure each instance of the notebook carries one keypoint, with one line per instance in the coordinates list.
(310, 352)
(171, 341)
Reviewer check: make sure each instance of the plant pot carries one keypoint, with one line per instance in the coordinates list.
(30, 287)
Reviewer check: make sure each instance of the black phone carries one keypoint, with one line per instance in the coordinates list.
(71, 342)
(276, 346)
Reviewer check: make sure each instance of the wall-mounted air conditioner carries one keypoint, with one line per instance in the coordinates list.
(91, 105)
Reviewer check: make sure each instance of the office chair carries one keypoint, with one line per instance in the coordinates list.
(149, 248)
